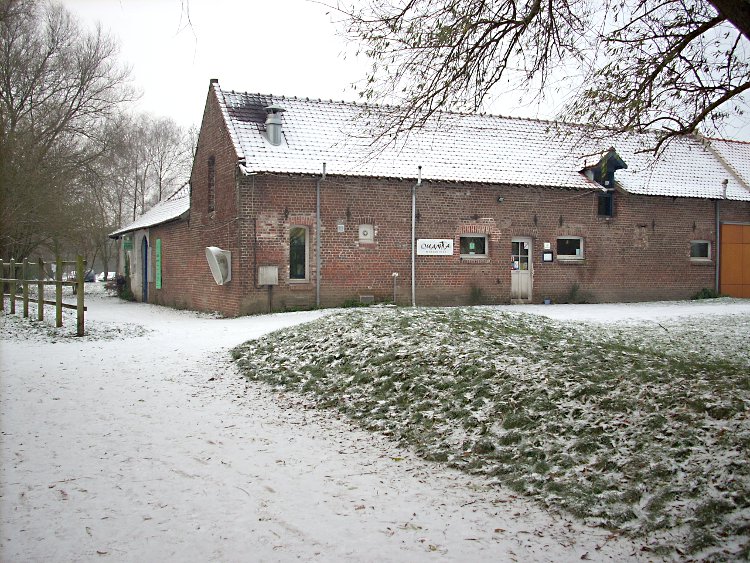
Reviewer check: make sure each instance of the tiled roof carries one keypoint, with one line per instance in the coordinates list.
(471, 148)
(165, 211)
(736, 156)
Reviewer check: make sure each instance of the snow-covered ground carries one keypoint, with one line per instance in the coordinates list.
(632, 312)
(140, 441)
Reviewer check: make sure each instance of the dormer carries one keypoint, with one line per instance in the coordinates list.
(603, 173)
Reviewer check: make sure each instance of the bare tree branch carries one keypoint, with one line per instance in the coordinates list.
(640, 63)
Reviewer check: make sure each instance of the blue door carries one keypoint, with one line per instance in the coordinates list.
(144, 270)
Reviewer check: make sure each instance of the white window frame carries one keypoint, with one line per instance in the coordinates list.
(570, 257)
(474, 235)
(306, 279)
(700, 258)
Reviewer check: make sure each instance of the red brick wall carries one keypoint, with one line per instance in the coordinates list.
(187, 280)
(642, 253)
(735, 211)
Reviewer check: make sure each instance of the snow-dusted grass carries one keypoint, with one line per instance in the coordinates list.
(641, 427)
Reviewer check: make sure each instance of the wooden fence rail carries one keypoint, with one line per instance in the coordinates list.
(14, 279)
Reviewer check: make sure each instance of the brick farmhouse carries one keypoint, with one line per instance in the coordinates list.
(300, 211)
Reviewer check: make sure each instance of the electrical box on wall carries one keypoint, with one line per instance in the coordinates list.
(268, 275)
(366, 233)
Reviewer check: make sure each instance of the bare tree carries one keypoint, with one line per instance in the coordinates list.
(57, 82)
(632, 64)
(167, 154)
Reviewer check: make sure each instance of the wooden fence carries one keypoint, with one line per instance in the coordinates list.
(21, 273)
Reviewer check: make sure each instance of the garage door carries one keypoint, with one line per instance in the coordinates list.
(735, 260)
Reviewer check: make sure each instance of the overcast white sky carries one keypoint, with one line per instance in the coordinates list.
(287, 47)
(284, 47)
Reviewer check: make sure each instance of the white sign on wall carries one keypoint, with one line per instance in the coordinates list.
(434, 247)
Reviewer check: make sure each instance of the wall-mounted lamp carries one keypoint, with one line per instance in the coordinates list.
(500, 199)
(286, 213)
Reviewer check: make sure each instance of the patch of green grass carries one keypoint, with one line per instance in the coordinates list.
(642, 428)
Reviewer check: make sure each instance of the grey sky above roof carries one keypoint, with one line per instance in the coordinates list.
(284, 46)
(475, 148)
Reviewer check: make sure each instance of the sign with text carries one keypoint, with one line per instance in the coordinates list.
(434, 247)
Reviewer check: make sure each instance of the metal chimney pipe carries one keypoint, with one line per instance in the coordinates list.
(273, 124)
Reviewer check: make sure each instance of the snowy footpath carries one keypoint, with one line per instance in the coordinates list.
(140, 442)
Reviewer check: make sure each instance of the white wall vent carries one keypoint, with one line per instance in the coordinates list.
(366, 233)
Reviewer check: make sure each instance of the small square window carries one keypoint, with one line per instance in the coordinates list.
(700, 250)
(473, 246)
(570, 248)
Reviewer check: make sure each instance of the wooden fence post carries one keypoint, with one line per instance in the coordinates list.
(25, 287)
(58, 293)
(2, 286)
(12, 287)
(40, 290)
(80, 275)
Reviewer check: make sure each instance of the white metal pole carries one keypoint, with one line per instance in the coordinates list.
(414, 237)
(318, 245)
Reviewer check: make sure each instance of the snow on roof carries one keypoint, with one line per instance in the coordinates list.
(469, 148)
(165, 211)
(736, 155)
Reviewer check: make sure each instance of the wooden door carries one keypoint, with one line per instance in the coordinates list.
(521, 274)
(734, 273)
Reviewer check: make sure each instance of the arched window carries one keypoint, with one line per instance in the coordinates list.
(211, 183)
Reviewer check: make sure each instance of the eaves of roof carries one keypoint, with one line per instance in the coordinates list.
(164, 212)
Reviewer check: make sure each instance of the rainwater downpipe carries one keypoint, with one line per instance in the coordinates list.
(318, 246)
(414, 237)
(717, 250)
